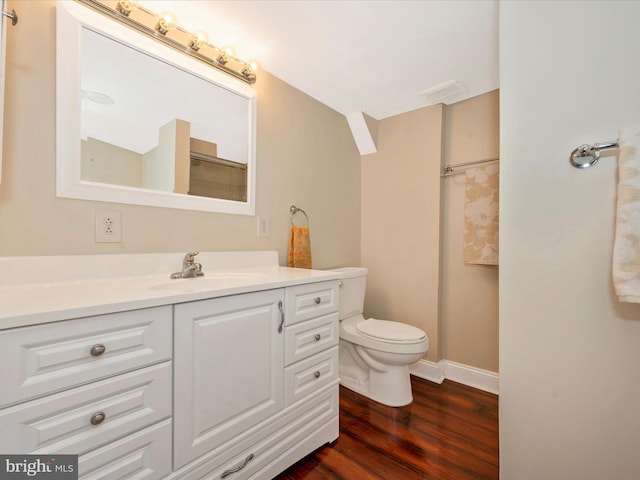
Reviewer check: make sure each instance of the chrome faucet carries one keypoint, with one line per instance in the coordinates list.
(190, 268)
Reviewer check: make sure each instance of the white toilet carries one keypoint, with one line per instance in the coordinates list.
(375, 354)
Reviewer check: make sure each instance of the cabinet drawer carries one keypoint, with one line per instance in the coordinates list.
(305, 339)
(36, 361)
(62, 423)
(302, 423)
(312, 300)
(309, 375)
(144, 455)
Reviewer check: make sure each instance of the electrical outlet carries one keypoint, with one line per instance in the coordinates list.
(108, 226)
(264, 227)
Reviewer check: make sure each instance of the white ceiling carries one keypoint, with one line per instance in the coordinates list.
(372, 56)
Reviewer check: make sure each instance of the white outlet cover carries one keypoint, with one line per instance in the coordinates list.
(108, 226)
(264, 227)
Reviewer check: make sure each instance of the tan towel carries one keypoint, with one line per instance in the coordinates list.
(299, 247)
(481, 215)
(626, 248)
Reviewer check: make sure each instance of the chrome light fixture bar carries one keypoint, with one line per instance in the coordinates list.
(164, 29)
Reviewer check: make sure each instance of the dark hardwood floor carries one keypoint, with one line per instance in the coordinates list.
(449, 432)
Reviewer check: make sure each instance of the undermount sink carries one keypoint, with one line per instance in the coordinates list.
(209, 282)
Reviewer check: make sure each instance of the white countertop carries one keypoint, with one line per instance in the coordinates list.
(99, 285)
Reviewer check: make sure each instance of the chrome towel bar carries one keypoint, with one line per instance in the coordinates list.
(589, 151)
(448, 170)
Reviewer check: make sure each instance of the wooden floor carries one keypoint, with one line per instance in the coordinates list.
(449, 432)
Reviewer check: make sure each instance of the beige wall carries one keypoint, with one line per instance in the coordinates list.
(469, 292)
(305, 155)
(401, 221)
(412, 224)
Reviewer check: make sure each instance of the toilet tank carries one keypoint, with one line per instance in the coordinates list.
(354, 282)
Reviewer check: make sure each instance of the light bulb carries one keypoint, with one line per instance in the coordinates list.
(254, 64)
(226, 52)
(229, 50)
(248, 72)
(166, 21)
(199, 39)
(125, 7)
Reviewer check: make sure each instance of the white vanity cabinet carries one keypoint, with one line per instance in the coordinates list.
(233, 385)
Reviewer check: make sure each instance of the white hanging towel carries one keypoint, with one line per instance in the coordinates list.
(626, 248)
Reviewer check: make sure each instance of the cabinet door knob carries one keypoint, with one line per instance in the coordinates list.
(317, 337)
(281, 308)
(98, 350)
(318, 300)
(316, 374)
(98, 418)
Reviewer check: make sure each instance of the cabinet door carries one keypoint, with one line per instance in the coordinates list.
(229, 369)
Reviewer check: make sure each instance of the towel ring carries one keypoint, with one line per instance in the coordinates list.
(293, 209)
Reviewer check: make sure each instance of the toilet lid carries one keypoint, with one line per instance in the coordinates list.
(390, 331)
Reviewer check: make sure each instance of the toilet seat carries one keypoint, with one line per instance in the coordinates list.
(391, 332)
(349, 331)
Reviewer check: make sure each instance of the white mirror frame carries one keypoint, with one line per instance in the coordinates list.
(3, 59)
(72, 18)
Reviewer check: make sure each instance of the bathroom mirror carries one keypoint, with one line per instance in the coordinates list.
(143, 124)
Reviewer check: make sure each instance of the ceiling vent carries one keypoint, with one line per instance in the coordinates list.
(447, 92)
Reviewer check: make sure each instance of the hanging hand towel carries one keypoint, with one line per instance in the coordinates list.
(626, 249)
(299, 247)
(481, 215)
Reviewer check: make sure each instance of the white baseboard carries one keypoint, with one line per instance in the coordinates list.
(465, 374)
(428, 370)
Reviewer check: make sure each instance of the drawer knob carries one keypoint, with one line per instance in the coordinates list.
(317, 337)
(316, 374)
(318, 300)
(98, 350)
(98, 418)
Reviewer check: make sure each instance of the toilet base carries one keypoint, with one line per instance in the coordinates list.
(391, 387)
(399, 397)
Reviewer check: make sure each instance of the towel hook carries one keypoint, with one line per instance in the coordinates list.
(293, 209)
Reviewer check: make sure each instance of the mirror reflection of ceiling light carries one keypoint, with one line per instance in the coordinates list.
(97, 97)
(164, 28)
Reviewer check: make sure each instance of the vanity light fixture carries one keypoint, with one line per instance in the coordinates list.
(164, 28)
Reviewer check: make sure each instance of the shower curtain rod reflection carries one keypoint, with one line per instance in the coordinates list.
(448, 170)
